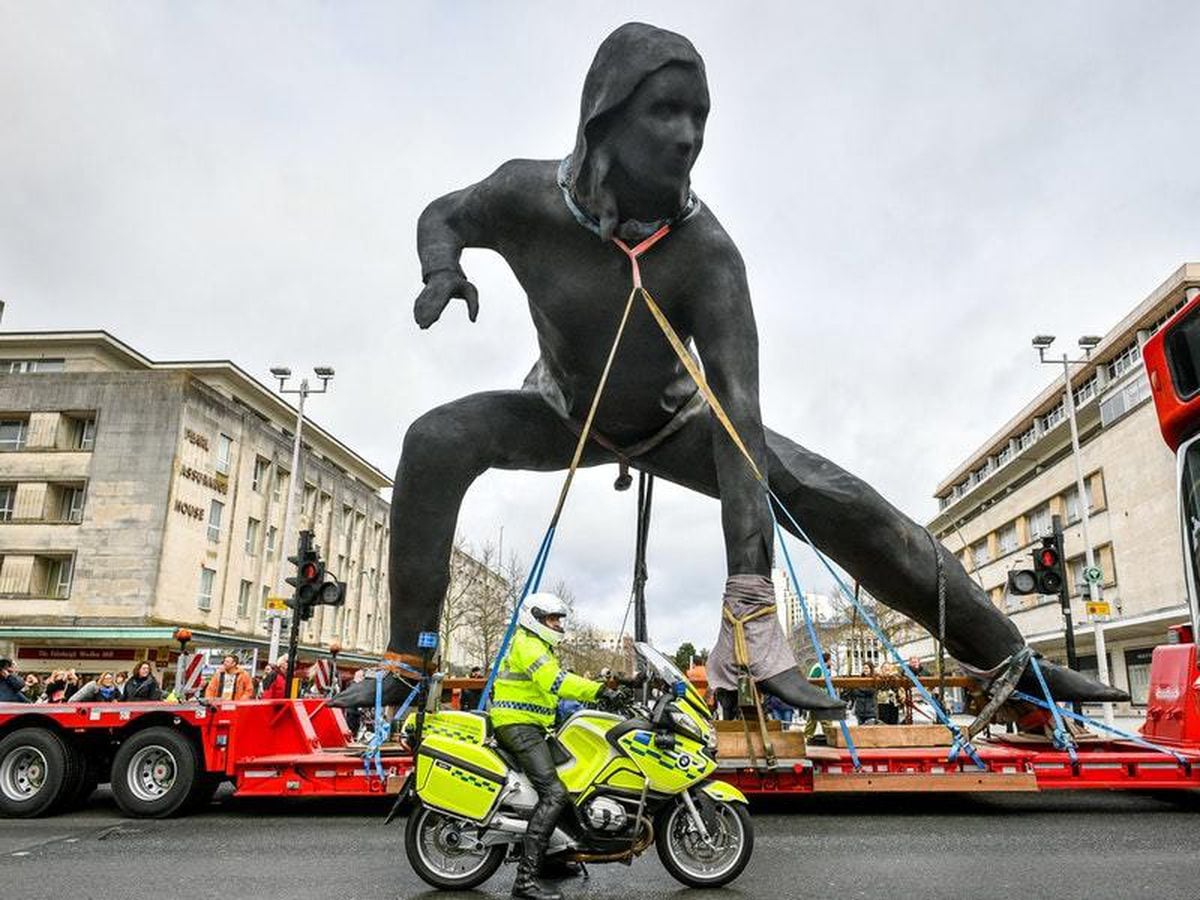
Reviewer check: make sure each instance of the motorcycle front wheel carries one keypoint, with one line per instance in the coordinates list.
(443, 851)
(697, 863)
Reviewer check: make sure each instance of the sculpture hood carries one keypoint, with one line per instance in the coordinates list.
(625, 58)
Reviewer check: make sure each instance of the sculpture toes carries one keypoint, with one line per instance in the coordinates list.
(1067, 684)
(362, 693)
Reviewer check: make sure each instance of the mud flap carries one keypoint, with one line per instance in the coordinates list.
(402, 798)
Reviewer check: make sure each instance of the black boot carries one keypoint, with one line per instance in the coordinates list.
(793, 689)
(556, 868)
(526, 884)
(362, 693)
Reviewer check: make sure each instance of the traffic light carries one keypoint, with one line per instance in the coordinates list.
(1048, 566)
(314, 586)
(1046, 576)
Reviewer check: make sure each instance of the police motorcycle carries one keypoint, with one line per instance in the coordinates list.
(638, 773)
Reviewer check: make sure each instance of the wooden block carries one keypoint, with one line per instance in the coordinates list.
(893, 736)
(731, 740)
(954, 782)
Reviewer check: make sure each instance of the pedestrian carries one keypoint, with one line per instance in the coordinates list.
(230, 682)
(33, 688)
(866, 709)
(119, 679)
(102, 690)
(810, 726)
(142, 685)
(274, 683)
(54, 690)
(12, 688)
(887, 698)
(469, 698)
(354, 714)
(777, 709)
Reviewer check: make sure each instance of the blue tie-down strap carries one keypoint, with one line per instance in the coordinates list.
(1111, 729)
(383, 727)
(1062, 740)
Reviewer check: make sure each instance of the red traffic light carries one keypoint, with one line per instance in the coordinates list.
(309, 571)
(1048, 557)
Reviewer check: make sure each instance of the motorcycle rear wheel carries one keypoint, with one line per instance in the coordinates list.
(690, 861)
(428, 841)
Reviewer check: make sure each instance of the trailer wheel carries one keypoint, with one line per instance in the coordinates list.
(204, 790)
(36, 767)
(153, 773)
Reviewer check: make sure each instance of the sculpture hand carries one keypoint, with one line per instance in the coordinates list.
(441, 288)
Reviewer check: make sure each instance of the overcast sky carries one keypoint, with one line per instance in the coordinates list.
(917, 188)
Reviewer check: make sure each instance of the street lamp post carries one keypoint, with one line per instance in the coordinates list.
(1087, 343)
(283, 374)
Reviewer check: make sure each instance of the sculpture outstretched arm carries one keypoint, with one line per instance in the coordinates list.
(461, 219)
(725, 334)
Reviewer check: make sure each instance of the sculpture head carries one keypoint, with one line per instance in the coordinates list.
(645, 103)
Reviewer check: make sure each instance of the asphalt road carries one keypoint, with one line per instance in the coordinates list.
(925, 846)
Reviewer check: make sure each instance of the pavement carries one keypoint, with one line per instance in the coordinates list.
(1064, 845)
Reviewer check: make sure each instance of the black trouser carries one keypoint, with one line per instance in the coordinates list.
(527, 743)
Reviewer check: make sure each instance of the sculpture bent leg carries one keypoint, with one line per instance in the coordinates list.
(444, 451)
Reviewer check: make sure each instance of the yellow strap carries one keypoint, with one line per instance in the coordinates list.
(741, 650)
(701, 382)
(587, 424)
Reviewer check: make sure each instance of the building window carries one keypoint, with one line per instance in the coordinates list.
(252, 537)
(272, 537)
(1053, 417)
(262, 602)
(215, 512)
(1006, 538)
(1086, 391)
(19, 366)
(1004, 457)
(8, 501)
(13, 433)
(309, 506)
(243, 608)
(224, 453)
(204, 597)
(1041, 523)
(1124, 361)
(1025, 441)
(261, 468)
(1118, 403)
(979, 553)
(1072, 501)
(78, 432)
(281, 478)
(70, 507)
(59, 570)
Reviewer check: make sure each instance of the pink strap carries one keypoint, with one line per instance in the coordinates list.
(639, 250)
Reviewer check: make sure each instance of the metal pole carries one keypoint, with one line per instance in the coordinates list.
(1089, 554)
(303, 546)
(276, 622)
(1064, 600)
(640, 573)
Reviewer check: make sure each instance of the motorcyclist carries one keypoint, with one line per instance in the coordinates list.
(528, 686)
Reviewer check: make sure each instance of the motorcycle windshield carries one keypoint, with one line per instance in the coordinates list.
(664, 668)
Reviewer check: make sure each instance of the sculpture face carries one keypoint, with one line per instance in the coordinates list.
(653, 139)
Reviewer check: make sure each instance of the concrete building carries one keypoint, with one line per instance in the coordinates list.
(996, 505)
(138, 496)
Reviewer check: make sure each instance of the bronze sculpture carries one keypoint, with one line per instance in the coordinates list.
(645, 102)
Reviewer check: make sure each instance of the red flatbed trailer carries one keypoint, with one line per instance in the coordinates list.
(165, 758)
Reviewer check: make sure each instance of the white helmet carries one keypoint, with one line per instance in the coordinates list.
(535, 611)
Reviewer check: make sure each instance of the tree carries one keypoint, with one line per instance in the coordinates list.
(684, 655)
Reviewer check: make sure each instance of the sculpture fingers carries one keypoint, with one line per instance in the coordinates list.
(429, 306)
(468, 292)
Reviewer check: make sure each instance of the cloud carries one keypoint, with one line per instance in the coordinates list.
(916, 189)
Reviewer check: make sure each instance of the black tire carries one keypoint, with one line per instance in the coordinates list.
(422, 817)
(153, 773)
(81, 779)
(37, 768)
(666, 819)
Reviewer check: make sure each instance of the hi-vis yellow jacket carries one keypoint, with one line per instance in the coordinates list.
(531, 682)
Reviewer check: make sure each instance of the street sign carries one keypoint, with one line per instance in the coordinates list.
(1101, 609)
(276, 604)
(1093, 575)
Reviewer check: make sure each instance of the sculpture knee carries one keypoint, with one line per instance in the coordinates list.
(437, 440)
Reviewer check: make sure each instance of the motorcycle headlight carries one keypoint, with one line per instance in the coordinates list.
(685, 725)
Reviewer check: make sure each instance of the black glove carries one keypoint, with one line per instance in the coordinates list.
(634, 681)
(613, 698)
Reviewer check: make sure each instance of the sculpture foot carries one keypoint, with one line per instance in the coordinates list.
(395, 688)
(793, 689)
(1067, 684)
